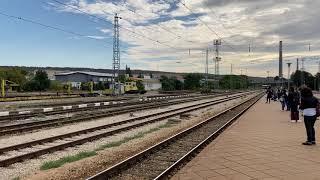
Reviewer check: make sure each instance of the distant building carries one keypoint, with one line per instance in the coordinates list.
(151, 84)
(148, 83)
(77, 77)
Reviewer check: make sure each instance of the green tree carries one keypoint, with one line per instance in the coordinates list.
(171, 84)
(42, 79)
(84, 86)
(56, 86)
(192, 81)
(98, 86)
(122, 78)
(166, 84)
(16, 75)
(178, 85)
(140, 86)
(234, 82)
(31, 85)
(302, 77)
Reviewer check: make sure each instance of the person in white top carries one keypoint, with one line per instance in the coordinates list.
(309, 105)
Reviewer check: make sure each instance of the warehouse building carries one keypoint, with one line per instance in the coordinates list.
(77, 77)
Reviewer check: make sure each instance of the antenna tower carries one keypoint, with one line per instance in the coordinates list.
(116, 55)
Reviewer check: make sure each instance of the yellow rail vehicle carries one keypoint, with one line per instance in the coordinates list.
(130, 87)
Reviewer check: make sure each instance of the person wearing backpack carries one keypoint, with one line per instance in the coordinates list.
(283, 97)
(294, 101)
(310, 107)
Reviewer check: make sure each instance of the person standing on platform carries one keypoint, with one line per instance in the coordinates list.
(282, 100)
(293, 100)
(269, 95)
(286, 99)
(279, 93)
(309, 105)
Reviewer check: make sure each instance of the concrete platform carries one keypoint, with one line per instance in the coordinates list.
(262, 144)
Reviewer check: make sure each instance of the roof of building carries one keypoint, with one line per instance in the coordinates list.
(151, 80)
(85, 72)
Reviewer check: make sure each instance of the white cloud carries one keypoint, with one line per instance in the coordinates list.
(106, 31)
(97, 37)
(239, 23)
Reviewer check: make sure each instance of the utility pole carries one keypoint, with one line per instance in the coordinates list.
(268, 76)
(318, 76)
(215, 65)
(302, 71)
(297, 64)
(289, 64)
(217, 43)
(230, 79)
(116, 55)
(309, 47)
(207, 68)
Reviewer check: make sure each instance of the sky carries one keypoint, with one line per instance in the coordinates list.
(165, 35)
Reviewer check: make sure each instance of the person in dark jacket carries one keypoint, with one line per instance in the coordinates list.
(269, 95)
(309, 106)
(293, 100)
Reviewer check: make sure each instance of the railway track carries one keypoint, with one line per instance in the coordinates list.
(35, 125)
(162, 159)
(67, 108)
(47, 145)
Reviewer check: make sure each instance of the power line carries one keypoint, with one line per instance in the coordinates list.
(212, 30)
(94, 16)
(48, 26)
(161, 26)
(207, 4)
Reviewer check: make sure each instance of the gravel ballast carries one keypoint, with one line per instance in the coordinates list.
(105, 157)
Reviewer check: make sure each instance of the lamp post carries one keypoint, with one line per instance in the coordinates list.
(289, 64)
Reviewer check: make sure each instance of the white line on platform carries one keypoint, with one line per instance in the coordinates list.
(24, 112)
(6, 113)
(47, 109)
(82, 105)
(66, 107)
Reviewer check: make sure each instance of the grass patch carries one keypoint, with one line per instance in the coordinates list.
(127, 139)
(85, 154)
(67, 159)
(16, 178)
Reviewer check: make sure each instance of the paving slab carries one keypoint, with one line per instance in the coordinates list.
(261, 144)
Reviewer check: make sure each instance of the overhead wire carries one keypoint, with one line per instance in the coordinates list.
(124, 28)
(49, 26)
(161, 26)
(204, 23)
(223, 25)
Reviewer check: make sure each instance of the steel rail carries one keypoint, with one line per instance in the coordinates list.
(138, 159)
(29, 126)
(90, 106)
(37, 153)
